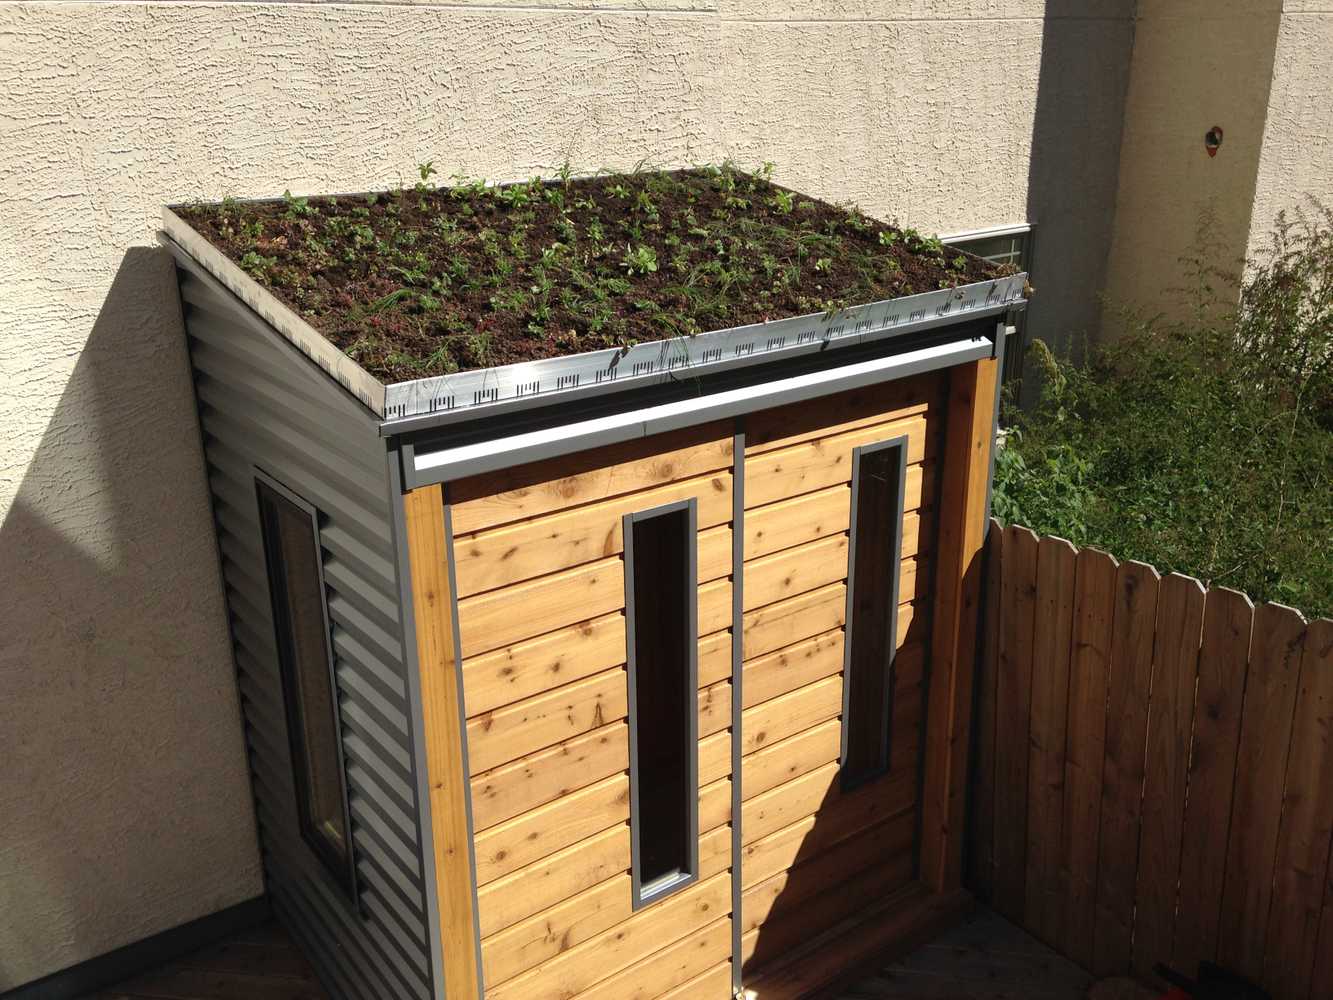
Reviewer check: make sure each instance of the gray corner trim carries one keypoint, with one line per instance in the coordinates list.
(1002, 332)
(263, 403)
(346, 879)
(737, 694)
(644, 895)
(444, 464)
(416, 721)
(462, 730)
(850, 781)
(140, 956)
(406, 459)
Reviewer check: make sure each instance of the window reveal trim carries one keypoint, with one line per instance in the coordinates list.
(853, 622)
(650, 887)
(342, 867)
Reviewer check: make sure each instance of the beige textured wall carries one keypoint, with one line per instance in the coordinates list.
(1297, 155)
(1196, 64)
(124, 793)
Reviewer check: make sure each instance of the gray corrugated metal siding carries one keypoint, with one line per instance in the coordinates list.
(262, 404)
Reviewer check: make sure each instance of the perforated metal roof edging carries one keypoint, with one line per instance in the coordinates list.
(446, 399)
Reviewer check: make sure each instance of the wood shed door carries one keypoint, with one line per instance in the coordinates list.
(832, 721)
(527, 587)
(573, 896)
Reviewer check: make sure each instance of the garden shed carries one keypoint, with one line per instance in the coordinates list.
(601, 558)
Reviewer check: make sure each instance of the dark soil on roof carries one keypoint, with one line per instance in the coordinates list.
(429, 280)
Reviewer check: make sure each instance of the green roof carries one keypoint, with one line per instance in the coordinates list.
(429, 280)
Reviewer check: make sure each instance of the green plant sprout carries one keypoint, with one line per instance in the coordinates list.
(640, 260)
(437, 279)
(296, 207)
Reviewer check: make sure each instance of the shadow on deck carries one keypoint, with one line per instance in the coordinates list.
(984, 958)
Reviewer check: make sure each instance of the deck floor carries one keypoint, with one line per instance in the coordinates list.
(985, 958)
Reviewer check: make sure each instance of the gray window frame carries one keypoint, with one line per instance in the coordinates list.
(850, 781)
(660, 888)
(341, 869)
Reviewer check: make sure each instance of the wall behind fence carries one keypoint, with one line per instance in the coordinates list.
(1153, 776)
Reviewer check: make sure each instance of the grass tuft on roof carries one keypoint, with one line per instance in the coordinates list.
(430, 280)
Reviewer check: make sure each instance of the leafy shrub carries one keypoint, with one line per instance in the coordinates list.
(1203, 446)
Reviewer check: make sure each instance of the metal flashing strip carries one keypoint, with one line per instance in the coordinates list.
(462, 722)
(1003, 332)
(445, 399)
(737, 693)
(407, 630)
(337, 365)
(242, 314)
(443, 464)
(991, 232)
(450, 398)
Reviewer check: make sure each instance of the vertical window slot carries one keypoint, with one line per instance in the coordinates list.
(879, 475)
(661, 614)
(300, 616)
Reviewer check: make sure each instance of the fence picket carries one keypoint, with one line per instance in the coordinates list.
(1094, 598)
(1013, 701)
(1048, 878)
(1265, 735)
(1224, 656)
(981, 829)
(1151, 768)
(1130, 681)
(1180, 606)
(1321, 982)
(1301, 872)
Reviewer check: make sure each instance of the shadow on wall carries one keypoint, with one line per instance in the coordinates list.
(859, 847)
(1074, 171)
(124, 792)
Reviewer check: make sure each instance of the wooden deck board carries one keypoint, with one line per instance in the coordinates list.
(984, 958)
(258, 963)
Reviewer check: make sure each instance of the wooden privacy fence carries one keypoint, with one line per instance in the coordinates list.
(1153, 769)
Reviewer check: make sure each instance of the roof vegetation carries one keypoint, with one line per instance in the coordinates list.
(428, 280)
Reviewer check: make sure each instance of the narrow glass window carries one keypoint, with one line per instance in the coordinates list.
(661, 609)
(300, 617)
(879, 474)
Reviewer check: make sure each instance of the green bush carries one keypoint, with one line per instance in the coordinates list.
(1205, 446)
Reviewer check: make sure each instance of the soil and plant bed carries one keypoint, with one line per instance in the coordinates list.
(428, 280)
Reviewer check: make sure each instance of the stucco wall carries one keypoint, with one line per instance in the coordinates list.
(1259, 69)
(1196, 64)
(127, 811)
(1297, 155)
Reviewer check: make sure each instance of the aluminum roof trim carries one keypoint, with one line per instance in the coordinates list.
(427, 464)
